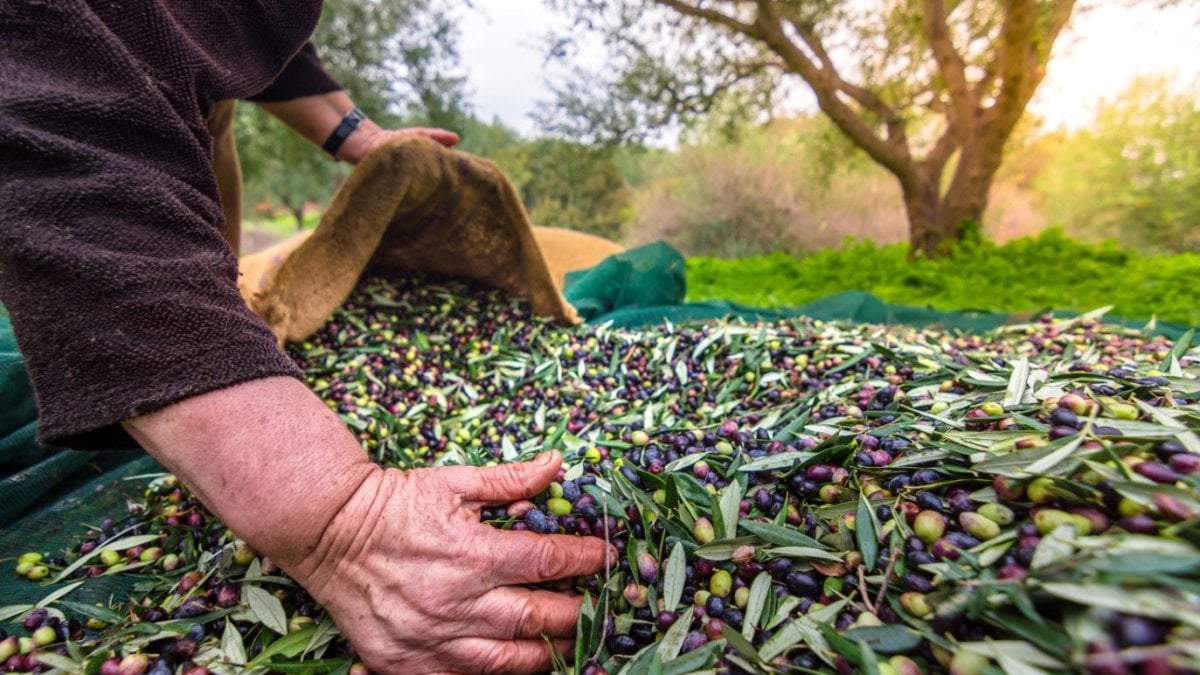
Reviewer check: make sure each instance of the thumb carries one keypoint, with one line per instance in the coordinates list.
(507, 482)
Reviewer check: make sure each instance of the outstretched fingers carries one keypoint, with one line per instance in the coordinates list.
(511, 612)
(444, 137)
(516, 657)
(528, 558)
(504, 483)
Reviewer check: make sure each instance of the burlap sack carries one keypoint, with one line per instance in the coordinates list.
(570, 250)
(412, 205)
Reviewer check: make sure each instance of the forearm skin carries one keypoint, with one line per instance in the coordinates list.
(315, 118)
(266, 456)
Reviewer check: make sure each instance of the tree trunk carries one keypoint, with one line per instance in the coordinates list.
(967, 198)
(927, 235)
(936, 222)
(298, 214)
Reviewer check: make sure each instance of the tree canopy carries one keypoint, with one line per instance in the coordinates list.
(931, 90)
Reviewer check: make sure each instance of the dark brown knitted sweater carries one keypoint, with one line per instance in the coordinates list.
(121, 290)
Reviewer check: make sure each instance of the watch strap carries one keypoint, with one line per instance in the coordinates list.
(344, 128)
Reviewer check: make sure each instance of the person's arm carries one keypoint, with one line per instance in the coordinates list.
(308, 99)
(123, 299)
(315, 118)
(399, 559)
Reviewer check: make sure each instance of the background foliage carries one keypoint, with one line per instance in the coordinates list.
(398, 59)
(736, 186)
(1050, 271)
(1134, 174)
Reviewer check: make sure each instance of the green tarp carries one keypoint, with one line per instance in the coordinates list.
(647, 285)
(46, 495)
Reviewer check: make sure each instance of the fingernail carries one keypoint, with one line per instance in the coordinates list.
(544, 458)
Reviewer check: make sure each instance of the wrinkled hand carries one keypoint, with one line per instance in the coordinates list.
(419, 585)
(369, 135)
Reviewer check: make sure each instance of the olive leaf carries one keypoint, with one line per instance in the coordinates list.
(684, 462)
(740, 644)
(325, 633)
(642, 662)
(100, 613)
(583, 628)
(755, 604)
(722, 549)
(804, 553)
(675, 577)
(694, 660)
(110, 545)
(59, 663)
(290, 645)
(232, 645)
(1017, 382)
(1017, 650)
(805, 628)
(782, 460)
(1053, 459)
(780, 536)
(892, 639)
(864, 533)
(850, 650)
(266, 608)
(1153, 603)
(780, 613)
(1013, 666)
(11, 611)
(730, 504)
(866, 659)
(672, 640)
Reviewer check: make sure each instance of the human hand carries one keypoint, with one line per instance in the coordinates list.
(369, 135)
(419, 584)
(315, 118)
(400, 559)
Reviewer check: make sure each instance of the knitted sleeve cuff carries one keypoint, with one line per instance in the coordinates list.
(304, 75)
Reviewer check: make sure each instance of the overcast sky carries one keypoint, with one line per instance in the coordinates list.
(1104, 51)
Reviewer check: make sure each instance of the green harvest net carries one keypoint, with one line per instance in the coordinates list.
(46, 494)
(646, 286)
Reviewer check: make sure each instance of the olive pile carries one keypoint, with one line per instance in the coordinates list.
(788, 497)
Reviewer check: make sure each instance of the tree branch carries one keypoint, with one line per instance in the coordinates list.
(948, 60)
(1020, 65)
(950, 141)
(701, 101)
(710, 15)
(892, 153)
(861, 95)
(1021, 60)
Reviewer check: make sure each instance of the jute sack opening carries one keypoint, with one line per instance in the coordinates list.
(412, 205)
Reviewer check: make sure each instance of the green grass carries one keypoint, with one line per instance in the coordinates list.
(1047, 272)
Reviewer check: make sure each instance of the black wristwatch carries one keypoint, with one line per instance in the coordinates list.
(344, 128)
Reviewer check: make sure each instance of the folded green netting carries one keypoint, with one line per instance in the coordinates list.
(47, 494)
(96, 489)
(647, 285)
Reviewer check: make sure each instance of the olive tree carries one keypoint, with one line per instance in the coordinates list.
(929, 89)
